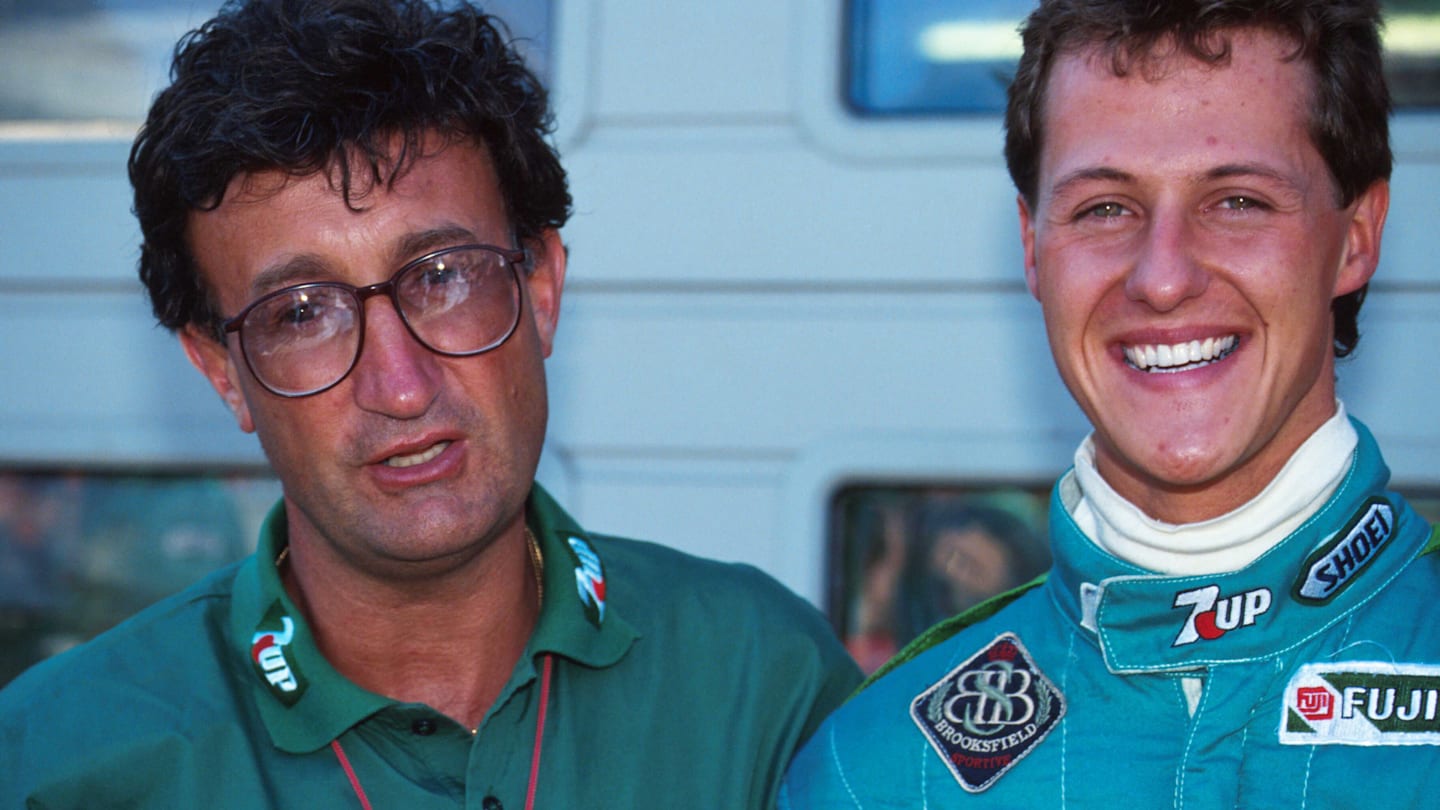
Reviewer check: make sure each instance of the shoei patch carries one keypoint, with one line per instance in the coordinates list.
(1362, 703)
(1339, 562)
(988, 713)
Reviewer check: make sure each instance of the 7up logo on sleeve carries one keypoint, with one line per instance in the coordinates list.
(985, 715)
(271, 658)
(589, 579)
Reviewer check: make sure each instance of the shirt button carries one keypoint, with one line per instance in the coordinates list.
(423, 727)
(491, 803)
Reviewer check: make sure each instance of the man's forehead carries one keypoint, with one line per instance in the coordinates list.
(1180, 117)
(277, 227)
(255, 187)
(354, 173)
(1248, 55)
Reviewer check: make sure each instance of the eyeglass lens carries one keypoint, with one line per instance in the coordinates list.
(305, 339)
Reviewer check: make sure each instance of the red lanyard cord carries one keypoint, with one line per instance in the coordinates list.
(539, 733)
(534, 756)
(350, 772)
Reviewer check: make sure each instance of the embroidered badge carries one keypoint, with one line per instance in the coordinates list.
(267, 651)
(589, 579)
(988, 713)
(1362, 703)
(1212, 616)
(1337, 563)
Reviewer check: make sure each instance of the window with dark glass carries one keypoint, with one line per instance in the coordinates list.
(956, 57)
(88, 60)
(905, 556)
(80, 551)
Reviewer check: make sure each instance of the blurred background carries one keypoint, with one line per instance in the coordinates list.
(795, 331)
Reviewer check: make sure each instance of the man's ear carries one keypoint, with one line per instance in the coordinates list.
(213, 360)
(545, 283)
(1362, 241)
(1027, 240)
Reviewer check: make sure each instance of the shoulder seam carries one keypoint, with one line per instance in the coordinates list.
(1433, 543)
(953, 625)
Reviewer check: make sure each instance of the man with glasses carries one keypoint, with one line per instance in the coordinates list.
(350, 216)
(1240, 614)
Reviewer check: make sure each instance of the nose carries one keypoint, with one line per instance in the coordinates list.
(1166, 271)
(395, 376)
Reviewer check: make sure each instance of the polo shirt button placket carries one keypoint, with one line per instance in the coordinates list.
(423, 727)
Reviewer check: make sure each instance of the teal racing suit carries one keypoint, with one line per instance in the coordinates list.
(1310, 678)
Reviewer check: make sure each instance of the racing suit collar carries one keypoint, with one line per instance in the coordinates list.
(1334, 562)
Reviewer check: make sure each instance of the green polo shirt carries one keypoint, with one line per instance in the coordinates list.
(676, 682)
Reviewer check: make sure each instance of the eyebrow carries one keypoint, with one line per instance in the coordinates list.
(1106, 173)
(287, 273)
(309, 266)
(414, 245)
(1229, 170)
(1222, 172)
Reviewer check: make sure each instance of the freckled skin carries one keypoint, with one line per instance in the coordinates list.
(1216, 218)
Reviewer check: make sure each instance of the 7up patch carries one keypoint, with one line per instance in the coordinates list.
(988, 713)
(1362, 703)
(273, 662)
(589, 579)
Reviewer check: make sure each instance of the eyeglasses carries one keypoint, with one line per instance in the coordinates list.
(458, 302)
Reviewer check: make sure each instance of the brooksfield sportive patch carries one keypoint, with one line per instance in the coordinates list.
(985, 715)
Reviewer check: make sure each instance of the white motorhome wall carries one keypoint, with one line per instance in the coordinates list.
(767, 297)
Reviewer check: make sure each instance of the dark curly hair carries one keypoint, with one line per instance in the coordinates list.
(1338, 39)
(304, 86)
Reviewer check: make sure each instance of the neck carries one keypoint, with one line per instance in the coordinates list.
(450, 642)
(1227, 542)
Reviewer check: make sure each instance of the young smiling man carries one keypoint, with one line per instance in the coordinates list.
(1240, 614)
(350, 215)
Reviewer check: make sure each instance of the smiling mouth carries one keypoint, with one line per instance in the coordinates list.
(417, 458)
(1177, 357)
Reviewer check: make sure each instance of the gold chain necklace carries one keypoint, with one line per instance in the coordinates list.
(537, 562)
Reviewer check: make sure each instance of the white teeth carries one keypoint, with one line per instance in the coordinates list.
(417, 458)
(1180, 356)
